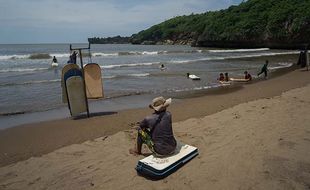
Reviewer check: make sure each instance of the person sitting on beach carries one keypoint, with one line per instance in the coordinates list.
(156, 130)
(247, 76)
(226, 78)
(221, 78)
(264, 69)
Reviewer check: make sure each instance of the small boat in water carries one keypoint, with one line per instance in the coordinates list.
(193, 77)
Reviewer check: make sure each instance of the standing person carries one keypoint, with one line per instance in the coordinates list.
(156, 130)
(226, 78)
(54, 62)
(247, 76)
(73, 57)
(307, 58)
(264, 69)
(70, 59)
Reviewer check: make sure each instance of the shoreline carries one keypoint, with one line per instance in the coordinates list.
(37, 139)
(116, 104)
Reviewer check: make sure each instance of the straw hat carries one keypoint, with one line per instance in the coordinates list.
(159, 103)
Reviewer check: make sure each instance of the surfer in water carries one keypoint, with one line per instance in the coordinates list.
(162, 67)
(156, 130)
(54, 62)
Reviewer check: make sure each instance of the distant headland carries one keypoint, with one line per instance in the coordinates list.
(254, 23)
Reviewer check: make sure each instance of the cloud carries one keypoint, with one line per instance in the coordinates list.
(50, 20)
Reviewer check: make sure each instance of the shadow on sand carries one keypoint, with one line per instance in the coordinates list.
(97, 114)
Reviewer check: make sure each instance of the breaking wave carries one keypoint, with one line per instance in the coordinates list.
(238, 50)
(22, 70)
(30, 82)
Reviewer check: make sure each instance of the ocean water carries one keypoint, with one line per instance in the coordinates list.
(28, 83)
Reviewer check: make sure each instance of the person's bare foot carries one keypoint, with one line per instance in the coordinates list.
(134, 152)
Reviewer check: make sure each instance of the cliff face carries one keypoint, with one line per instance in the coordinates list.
(254, 23)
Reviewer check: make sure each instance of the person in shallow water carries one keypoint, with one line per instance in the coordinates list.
(55, 60)
(156, 130)
(247, 75)
(264, 69)
(221, 78)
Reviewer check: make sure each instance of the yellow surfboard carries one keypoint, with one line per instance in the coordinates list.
(93, 81)
(64, 70)
(76, 95)
(239, 80)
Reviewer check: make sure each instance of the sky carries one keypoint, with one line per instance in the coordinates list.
(73, 21)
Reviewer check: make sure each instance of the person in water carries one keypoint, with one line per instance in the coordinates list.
(55, 60)
(162, 67)
(264, 69)
(247, 76)
(226, 78)
(221, 78)
(156, 130)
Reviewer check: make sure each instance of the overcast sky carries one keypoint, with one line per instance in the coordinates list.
(69, 21)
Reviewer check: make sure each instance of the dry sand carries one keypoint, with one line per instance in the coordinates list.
(262, 144)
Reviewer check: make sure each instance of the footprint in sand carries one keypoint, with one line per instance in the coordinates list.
(288, 144)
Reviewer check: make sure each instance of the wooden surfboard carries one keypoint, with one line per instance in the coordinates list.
(93, 81)
(76, 95)
(239, 80)
(64, 70)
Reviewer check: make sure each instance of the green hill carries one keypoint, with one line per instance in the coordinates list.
(254, 23)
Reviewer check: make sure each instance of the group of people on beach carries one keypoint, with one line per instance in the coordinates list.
(247, 75)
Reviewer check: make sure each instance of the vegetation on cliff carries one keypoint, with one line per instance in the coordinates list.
(254, 23)
(109, 40)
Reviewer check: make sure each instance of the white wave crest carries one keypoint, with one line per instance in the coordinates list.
(129, 65)
(31, 82)
(98, 54)
(150, 53)
(58, 55)
(140, 75)
(238, 50)
(281, 66)
(6, 57)
(22, 70)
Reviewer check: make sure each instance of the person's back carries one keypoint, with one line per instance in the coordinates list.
(54, 59)
(156, 130)
(160, 125)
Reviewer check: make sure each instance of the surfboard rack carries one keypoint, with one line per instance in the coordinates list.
(82, 68)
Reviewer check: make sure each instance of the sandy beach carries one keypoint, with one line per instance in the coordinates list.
(254, 136)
